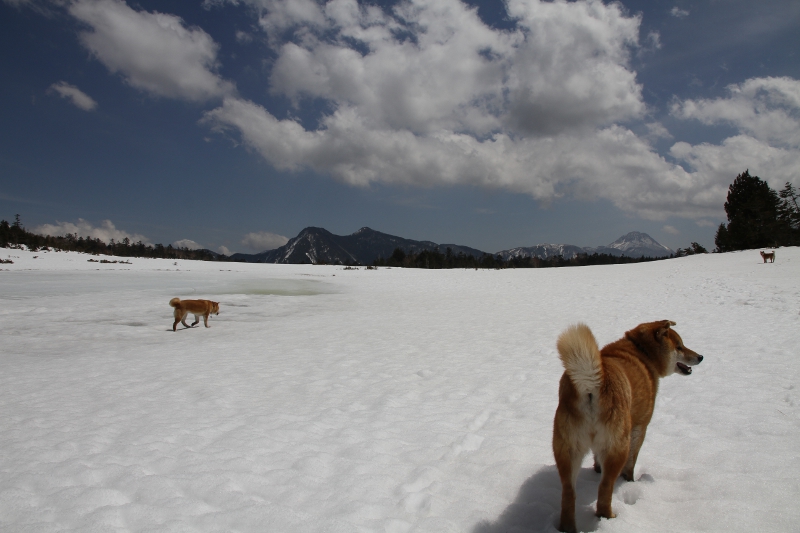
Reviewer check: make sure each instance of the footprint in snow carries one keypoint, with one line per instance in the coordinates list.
(470, 443)
(480, 420)
(417, 499)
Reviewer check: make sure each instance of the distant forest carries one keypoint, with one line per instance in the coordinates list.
(14, 235)
(436, 259)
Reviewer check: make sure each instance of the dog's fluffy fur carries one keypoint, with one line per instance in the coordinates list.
(197, 307)
(606, 399)
(768, 255)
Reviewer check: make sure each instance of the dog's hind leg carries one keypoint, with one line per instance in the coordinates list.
(569, 449)
(637, 438)
(612, 466)
(569, 464)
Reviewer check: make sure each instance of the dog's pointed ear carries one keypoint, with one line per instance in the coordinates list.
(663, 327)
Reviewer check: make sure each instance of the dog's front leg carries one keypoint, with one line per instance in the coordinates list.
(205, 320)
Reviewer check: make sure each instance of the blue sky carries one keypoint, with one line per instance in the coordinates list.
(234, 124)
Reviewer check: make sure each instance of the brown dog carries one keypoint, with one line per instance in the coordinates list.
(605, 402)
(197, 307)
(768, 255)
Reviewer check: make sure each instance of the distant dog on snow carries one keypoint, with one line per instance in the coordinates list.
(768, 255)
(605, 402)
(197, 307)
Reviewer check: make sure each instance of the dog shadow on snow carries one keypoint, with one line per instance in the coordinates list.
(538, 505)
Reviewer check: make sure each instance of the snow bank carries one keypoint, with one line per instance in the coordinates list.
(324, 399)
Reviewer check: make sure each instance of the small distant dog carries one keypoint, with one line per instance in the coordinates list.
(197, 307)
(768, 255)
(605, 402)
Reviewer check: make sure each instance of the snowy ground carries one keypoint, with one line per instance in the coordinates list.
(324, 399)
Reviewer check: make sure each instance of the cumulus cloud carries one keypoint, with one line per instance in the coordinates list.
(672, 230)
(105, 232)
(263, 240)
(425, 94)
(435, 65)
(187, 243)
(224, 250)
(678, 12)
(766, 111)
(78, 98)
(429, 95)
(656, 131)
(154, 52)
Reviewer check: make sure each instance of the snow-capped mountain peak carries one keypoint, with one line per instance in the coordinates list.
(637, 243)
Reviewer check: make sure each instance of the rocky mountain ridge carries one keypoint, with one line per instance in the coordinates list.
(318, 245)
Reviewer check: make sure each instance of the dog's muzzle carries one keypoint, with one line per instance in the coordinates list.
(686, 369)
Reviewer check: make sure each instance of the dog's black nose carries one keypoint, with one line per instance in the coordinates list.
(699, 358)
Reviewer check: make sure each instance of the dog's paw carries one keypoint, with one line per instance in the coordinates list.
(606, 514)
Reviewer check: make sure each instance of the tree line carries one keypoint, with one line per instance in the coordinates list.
(14, 235)
(438, 260)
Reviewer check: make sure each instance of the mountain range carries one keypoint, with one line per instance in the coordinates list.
(318, 245)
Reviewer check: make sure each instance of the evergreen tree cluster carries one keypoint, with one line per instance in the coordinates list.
(15, 235)
(437, 260)
(759, 217)
(693, 249)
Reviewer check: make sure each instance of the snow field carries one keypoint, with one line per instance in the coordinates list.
(395, 400)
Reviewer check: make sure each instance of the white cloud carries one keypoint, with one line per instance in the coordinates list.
(719, 164)
(187, 243)
(263, 240)
(154, 52)
(611, 163)
(74, 95)
(432, 96)
(243, 37)
(224, 250)
(678, 12)
(656, 131)
(672, 230)
(426, 94)
(565, 67)
(766, 111)
(105, 232)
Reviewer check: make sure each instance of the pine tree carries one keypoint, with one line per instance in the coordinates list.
(752, 208)
(789, 213)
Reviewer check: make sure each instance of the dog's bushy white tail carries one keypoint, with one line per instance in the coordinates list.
(580, 354)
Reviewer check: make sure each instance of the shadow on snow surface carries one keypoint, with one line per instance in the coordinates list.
(538, 505)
